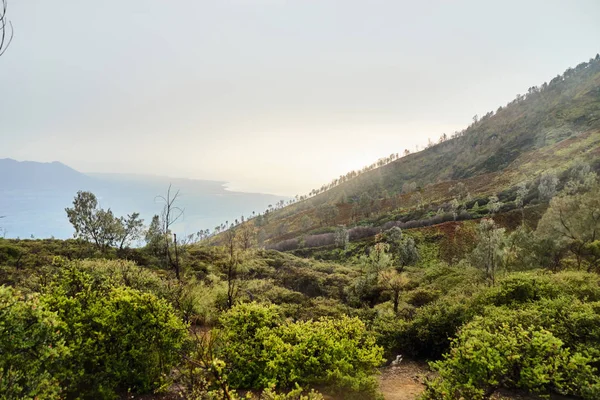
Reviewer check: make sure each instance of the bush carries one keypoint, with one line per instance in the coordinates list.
(428, 334)
(31, 348)
(262, 351)
(524, 287)
(495, 352)
(119, 338)
(422, 296)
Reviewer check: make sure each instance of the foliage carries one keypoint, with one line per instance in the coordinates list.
(547, 185)
(574, 222)
(489, 251)
(119, 338)
(261, 350)
(100, 226)
(494, 351)
(32, 348)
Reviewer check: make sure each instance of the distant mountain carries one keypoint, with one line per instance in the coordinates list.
(33, 197)
(29, 174)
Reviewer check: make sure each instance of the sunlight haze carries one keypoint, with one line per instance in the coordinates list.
(271, 96)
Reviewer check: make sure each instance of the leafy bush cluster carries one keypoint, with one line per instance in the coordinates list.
(84, 337)
(262, 350)
(497, 351)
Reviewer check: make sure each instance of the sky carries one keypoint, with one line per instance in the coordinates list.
(272, 96)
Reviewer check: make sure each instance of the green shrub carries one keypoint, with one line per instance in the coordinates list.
(575, 323)
(523, 287)
(428, 334)
(119, 338)
(262, 351)
(495, 352)
(31, 348)
(422, 296)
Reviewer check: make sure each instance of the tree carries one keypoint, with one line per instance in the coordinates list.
(327, 213)
(305, 222)
(522, 192)
(454, 207)
(341, 237)
(129, 229)
(407, 253)
(574, 222)
(364, 203)
(494, 205)
(417, 199)
(489, 252)
(94, 224)
(459, 191)
(378, 259)
(403, 249)
(408, 187)
(6, 29)
(232, 266)
(547, 185)
(581, 179)
(394, 282)
(154, 236)
(247, 236)
(170, 215)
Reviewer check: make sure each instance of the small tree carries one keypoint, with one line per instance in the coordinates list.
(232, 266)
(153, 236)
(394, 282)
(459, 191)
(129, 229)
(547, 185)
(409, 187)
(454, 207)
(364, 204)
(574, 222)
(341, 237)
(247, 236)
(402, 248)
(581, 179)
(522, 192)
(305, 222)
(94, 224)
(417, 199)
(489, 252)
(171, 213)
(494, 205)
(327, 213)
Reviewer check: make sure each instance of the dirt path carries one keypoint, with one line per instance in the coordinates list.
(403, 382)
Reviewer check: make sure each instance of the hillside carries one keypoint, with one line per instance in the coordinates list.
(293, 306)
(550, 128)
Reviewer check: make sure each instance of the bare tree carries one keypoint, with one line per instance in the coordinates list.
(6, 29)
(170, 214)
(232, 266)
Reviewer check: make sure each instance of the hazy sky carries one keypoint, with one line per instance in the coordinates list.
(274, 96)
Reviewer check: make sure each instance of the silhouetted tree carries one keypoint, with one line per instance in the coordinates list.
(170, 214)
(6, 29)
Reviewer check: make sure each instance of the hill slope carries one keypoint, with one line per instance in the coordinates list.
(551, 127)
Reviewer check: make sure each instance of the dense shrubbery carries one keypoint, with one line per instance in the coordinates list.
(32, 348)
(99, 328)
(497, 351)
(87, 336)
(262, 350)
